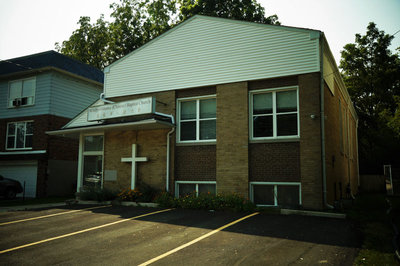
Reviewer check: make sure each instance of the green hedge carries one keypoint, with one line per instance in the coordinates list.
(206, 201)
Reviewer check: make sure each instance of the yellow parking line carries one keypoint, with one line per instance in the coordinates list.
(55, 214)
(81, 231)
(196, 240)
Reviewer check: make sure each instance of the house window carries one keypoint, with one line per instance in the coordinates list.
(274, 113)
(22, 92)
(92, 161)
(183, 188)
(197, 119)
(19, 135)
(283, 194)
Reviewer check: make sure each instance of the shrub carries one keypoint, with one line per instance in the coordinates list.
(207, 201)
(143, 193)
(166, 200)
(98, 194)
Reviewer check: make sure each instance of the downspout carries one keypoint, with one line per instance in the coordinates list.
(322, 94)
(168, 152)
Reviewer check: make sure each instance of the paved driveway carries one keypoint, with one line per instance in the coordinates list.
(132, 236)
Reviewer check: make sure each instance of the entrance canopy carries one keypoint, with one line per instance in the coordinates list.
(117, 116)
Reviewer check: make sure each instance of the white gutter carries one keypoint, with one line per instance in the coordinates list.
(103, 98)
(165, 115)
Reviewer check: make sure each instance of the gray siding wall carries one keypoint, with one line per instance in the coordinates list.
(42, 98)
(70, 96)
(56, 94)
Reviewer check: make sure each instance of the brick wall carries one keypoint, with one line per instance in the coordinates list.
(196, 163)
(150, 143)
(232, 138)
(310, 141)
(341, 159)
(274, 162)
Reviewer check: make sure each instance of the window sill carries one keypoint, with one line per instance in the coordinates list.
(195, 143)
(296, 139)
(20, 106)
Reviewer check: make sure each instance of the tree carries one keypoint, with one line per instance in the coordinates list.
(371, 73)
(248, 10)
(135, 22)
(89, 43)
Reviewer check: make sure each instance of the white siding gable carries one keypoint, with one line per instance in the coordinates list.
(81, 119)
(208, 51)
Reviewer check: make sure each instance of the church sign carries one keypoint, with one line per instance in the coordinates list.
(129, 108)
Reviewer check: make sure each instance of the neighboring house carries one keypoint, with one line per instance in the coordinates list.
(38, 93)
(258, 110)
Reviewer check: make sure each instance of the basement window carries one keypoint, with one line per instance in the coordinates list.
(183, 188)
(282, 194)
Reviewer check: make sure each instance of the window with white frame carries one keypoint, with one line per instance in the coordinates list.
(22, 92)
(197, 119)
(92, 161)
(19, 135)
(283, 194)
(274, 113)
(183, 188)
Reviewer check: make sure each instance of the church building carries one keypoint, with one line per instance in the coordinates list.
(223, 106)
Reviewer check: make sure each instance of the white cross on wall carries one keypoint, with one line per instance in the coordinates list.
(133, 160)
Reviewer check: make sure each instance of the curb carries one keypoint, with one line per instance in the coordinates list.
(122, 203)
(31, 207)
(314, 213)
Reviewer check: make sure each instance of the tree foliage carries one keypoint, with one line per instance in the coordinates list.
(371, 73)
(248, 10)
(135, 22)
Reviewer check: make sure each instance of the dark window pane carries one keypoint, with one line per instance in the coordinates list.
(208, 129)
(288, 196)
(188, 110)
(262, 103)
(28, 141)
(188, 130)
(286, 101)
(262, 126)
(29, 128)
(11, 129)
(20, 135)
(185, 189)
(93, 143)
(287, 125)
(207, 188)
(10, 142)
(263, 194)
(207, 108)
(92, 170)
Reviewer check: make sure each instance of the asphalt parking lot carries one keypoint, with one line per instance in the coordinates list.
(117, 235)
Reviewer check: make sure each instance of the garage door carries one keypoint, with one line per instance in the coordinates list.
(21, 171)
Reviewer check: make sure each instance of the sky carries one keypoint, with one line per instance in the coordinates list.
(33, 26)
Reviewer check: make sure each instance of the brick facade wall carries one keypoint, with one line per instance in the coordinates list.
(274, 162)
(150, 143)
(234, 161)
(195, 163)
(233, 139)
(310, 141)
(341, 159)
